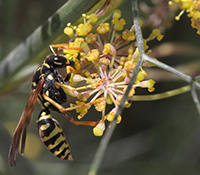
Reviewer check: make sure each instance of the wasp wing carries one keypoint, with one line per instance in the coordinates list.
(23, 124)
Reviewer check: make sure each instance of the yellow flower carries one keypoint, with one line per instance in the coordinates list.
(141, 75)
(117, 14)
(192, 7)
(118, 24)
(185, 4)
(103, 28)
(83, 29)
(156, 33)
(129, 66)
(81, 108)
(93, 55)
(100, 106)
(69, 31)
(148, 84)
(99, 129)
(91, 38)
(108, 48)
(93, 18)
(128, 35)
(110, 116)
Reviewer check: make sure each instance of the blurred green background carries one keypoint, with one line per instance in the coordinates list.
(154, 138)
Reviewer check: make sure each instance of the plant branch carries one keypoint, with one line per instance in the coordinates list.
(163, 95)
(194, 96)
(167, 68)
(192, 81)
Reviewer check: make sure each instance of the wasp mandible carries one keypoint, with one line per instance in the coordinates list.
(47, 87)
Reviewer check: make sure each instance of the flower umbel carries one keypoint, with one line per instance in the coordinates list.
(107, 59)
(192, 7)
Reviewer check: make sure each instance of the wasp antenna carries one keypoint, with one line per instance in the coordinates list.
(52, 50)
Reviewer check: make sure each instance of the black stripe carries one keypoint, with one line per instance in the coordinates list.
(57, 147)
(51, 127)
(66, 157)
(52, 140)
(63, 153)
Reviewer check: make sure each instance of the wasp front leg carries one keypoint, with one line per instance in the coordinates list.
(69, 71)
(52, 136)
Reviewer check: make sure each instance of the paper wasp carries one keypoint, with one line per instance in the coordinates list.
(47, 87)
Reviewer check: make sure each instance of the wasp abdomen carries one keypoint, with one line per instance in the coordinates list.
(52, 135)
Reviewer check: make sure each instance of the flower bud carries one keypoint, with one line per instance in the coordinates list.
(99, 129)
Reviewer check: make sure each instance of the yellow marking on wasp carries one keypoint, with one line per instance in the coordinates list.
(58, 140)
(38, 69)
(43, 117)
(64, 145)
(39, 98)
(34, 83)
(46, 104)
(47, 93)
(45, 64)
(58, 63)
(41, 76)
(53, 133)
(44, 127)
(67, 152)
(50, 77)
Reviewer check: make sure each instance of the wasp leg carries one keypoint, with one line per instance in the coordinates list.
(52, 136)
(64, 110)
(70, 90)
(91, 86)
(57, 46)
(69, 70)
(67, 78)
(63, 46)
(65, 86)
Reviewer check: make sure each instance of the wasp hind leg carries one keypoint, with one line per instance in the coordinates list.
(64, 110)
(52, 135)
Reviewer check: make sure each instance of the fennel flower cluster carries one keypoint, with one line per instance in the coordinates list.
(103, 64)
(192, 7)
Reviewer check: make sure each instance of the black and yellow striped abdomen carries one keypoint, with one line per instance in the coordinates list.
(52, 135)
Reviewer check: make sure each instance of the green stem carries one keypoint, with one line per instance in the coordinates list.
(167, 68)
(192, 81)
(195, 97)
(161, 95)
